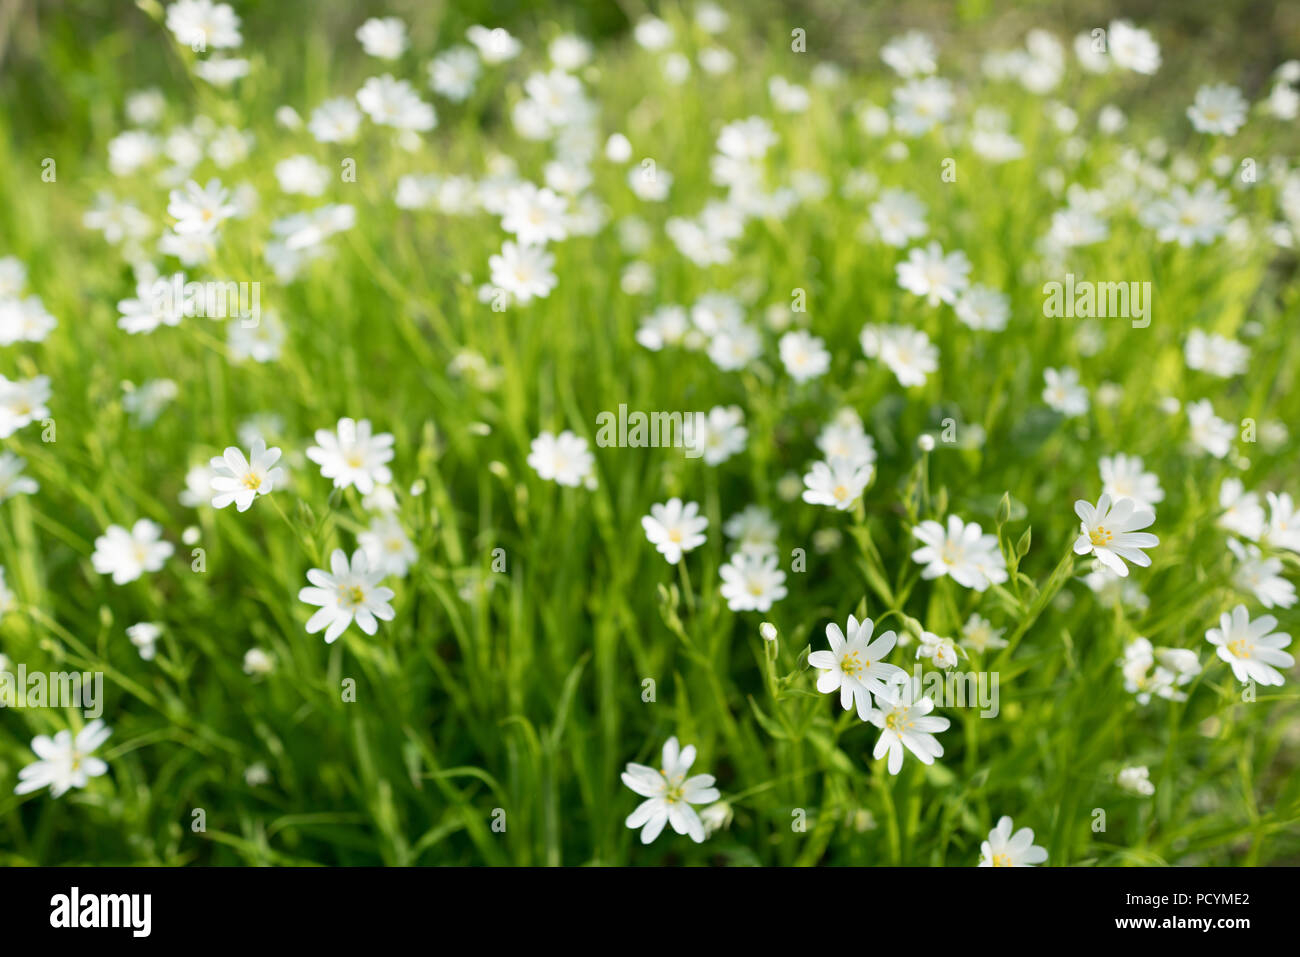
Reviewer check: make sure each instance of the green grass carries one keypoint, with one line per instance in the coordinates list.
(522, 690)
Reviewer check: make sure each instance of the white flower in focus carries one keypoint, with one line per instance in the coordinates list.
(854, 666)
(63, 761)
(1251, 648)
(669, 794)
(563, 459)
(240, 480)
(353, 456)
(673, 528)
(1004, 849)
(346, 593)
(942, 651)
(1110, 533)
(126, 555)
(905, 722)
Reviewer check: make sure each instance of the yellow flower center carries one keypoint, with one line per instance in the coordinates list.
(840, 492)
(351, 595)
(853, 665)
(253, 481)
(1101, 536)
(1239, 648)
(1001, 860)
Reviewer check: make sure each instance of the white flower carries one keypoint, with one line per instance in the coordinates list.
(384, 38)
(962, 552)
(1073, 227)
(199, 210)
(931, 273)
(844, 437)
(1218, 109)
(942, 651)
(454, 72)
(1260, 576)
(258, 662)
(12, 480)
(837, 483)
(1283, 523)
(222, 71)
(523, 271)
(352, 456)
(983, 308)
(1242, 513)
(752, 529)
(535, 216)
(1215, 354)
(904, 720)
(200, 24)
(649, 182)
(1110, 533)
(1251, 648)
(335, 121)
(63, 761)
(805, 356)
(126, 555)
(1004, 849)
(302, 175)
(1133, 48)
(979, 635)
(898, 217)
(1064, 393)
(669, 794)
(22, 402)
(260, 341)
(495, 45)
(1189, 218)
(240, 480)
(747, 139)
(719, 435)
(1123, 476)
(563, 459)
(674, 528)
(1209, 432)
(921, 105)
(1174, 668)
(1137, 780)
(908, 352)
(346, 593)
(854, 665)
(752, 581)
(911, 54)
(144, 635)
(395, 103)
(651, 33)
(386, 546)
